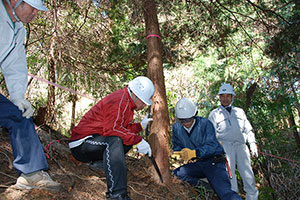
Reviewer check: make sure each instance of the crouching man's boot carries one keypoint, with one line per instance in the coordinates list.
(123, 196)
(38, 180)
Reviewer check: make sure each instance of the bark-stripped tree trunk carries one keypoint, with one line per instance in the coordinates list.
(159, 137)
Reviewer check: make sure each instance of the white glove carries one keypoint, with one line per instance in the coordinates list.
(24, 106)
(253, 148)
(144, 148)
(145, 122)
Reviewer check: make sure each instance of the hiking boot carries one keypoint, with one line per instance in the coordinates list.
(96, 165)
(123, 196)
(39, 180)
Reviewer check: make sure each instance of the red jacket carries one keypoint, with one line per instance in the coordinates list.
(112, 116)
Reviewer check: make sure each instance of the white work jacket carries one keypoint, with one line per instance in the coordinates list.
(12, 54)
(233, 126)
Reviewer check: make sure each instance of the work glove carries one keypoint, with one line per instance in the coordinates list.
(144, 148)
(24, 106)
(176, 155)
(186, 154)
(253, 148)
(145, 121)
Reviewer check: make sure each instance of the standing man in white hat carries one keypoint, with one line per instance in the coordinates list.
(16, 113)
(233, 131)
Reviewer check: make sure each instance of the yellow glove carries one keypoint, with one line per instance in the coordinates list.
(187, 154)
(176, 155)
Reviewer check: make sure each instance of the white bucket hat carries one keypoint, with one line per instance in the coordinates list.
(37, 4)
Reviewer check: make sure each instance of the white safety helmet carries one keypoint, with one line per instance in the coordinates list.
(37, 4)
(226, 89)
(143, 88)
(185, 108)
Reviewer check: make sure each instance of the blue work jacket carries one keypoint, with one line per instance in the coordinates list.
(202, 138)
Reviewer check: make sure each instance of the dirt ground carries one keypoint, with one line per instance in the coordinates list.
(79, 182)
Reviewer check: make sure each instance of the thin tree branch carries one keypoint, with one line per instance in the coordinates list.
(240, 25)
(271, 11)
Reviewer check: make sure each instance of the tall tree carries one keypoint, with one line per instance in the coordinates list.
(52, 62)
(159, 135)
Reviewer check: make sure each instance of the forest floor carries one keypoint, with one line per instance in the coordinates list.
(79, 182)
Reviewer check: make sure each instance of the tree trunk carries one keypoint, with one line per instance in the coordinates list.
(293, 126)
(295, 94)
(51, 78)
(249, 95)
(74, 100)
(51, 71)
(159, 137)
(289, 110)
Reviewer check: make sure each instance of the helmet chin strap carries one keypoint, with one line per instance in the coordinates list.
(13, 9)
(136, 98)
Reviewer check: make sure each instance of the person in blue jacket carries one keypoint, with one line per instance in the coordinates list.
(194, 141)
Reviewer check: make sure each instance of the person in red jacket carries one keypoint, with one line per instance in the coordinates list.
(107, 132)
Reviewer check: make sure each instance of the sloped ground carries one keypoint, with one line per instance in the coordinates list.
(79, 182)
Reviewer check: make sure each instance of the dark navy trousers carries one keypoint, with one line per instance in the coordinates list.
(215, 173)
(27, 149)
(112, 151)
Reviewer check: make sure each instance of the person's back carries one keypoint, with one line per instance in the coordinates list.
(111, 114)
(107, 132)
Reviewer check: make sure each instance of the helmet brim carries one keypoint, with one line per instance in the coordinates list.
(148, 103)
(226, 93)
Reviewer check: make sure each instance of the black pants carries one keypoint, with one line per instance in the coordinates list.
(112, 151)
